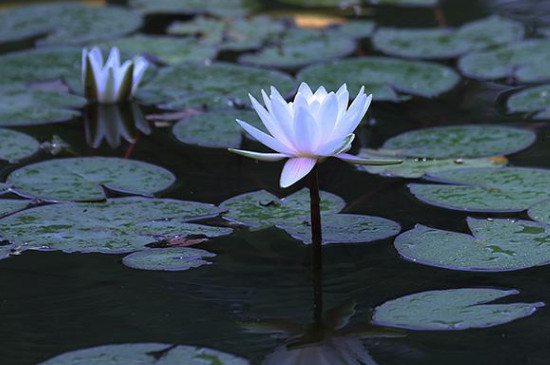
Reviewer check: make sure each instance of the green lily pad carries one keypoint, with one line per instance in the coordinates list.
(261, 209)
(168, 259)
(15, 146)
(167, 49)
(531, 100)
(384, 77)
(506, 189)
(300, 47)
(224, 8)
(238, 34)
(447, 43)
(452, 310)
(146, 354)
(216, 84)
(524, 61)
(24, 107)
(8, 206)
(321, 3)
(413, 168)
(84, 178)
(355, 29)
(216, 129)
(68, 23)
(406, 3)
(115, 226)
(461, 141)
(495, 245)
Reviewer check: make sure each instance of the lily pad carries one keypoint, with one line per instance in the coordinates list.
(524, 61)
(531, 100)
(24, 107)
(68, 23)
(386, 78)
(224, 8)
(216, 84)
(452, 310)
(506, 189)
(166, 49)
(448, 43)
(496, 245)
(322, 3)
(540, 212)
(8, 206)
(168, 259)
(84, 178)
(461, 141)
(115, 226)
(216, 129)
(406, 3)
(15, 146)
(146, 354)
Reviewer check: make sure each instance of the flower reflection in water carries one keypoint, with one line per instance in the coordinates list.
(112, 123)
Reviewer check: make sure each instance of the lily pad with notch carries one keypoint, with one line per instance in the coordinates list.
(389, 79)
(118, 225)
(223, 8)
(452, 310)
(84, 178)
(534, 100)
(146, 354)
(9, 206)
(448, 43)
(16, 146)
(505, 189)
(168, 259)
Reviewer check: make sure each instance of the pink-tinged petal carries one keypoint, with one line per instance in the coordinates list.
(258, 155)
(140, 65)
(328, 115)
(367, 161)
(306, 131)
(272, 125)
(295, 169)
(266, 139)
(305, 90)
(335, 146)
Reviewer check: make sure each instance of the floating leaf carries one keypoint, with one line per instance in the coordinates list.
(540, 212)
(167, 49)
(383, 77)
(448, 43)
(15, 146)
(168, 259)
(224, 8)
(146, 354)
(217, 129)
(531, 100)
(406, 3)
(452, 310)
(217, 84)
(115, 226)
(506, 189)
(461, 141)
(84, 178)
(525, 61)
(66, 23)
(322, 3)
(8, 206)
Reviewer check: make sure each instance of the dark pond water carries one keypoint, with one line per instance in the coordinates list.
(51, 302)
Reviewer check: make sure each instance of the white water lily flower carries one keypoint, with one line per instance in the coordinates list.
(112, 82)
(307, 130)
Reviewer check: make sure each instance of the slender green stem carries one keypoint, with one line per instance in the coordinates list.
(316, 248)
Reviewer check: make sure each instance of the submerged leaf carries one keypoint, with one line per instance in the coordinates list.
(15, 146)
(168, 259)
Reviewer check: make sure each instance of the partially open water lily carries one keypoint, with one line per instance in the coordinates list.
(309, 129)
(112, 82)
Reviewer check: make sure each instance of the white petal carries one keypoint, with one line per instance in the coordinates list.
(120, 74)
(306, 131)
(267, 101)
(140, 65)
(96, 57)
(295, 169)
(320, 92)
(272, 125)
(351, 119)
(305, 90)
(266, 139)
(366, 161)
(282, 115)
(343, 100)
(258, 155)
(328, 115)
(114, 58)
(336, 146)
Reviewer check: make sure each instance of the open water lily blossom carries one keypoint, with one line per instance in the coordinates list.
(111, 82)
(314, 126)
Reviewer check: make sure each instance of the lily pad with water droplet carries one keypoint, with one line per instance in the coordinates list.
(216, 84)
(68, 23)
(495, 245)
(388, 79)
(447, 43)
(115, 226)
(506, 189)
(224, 8)
(531, 100)
(15, 146)
(168, 259)
(217, 129)
(8, 206)
(463, 141)
(524, 61)
(84, 178)
(452, 310)
(146, 354)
